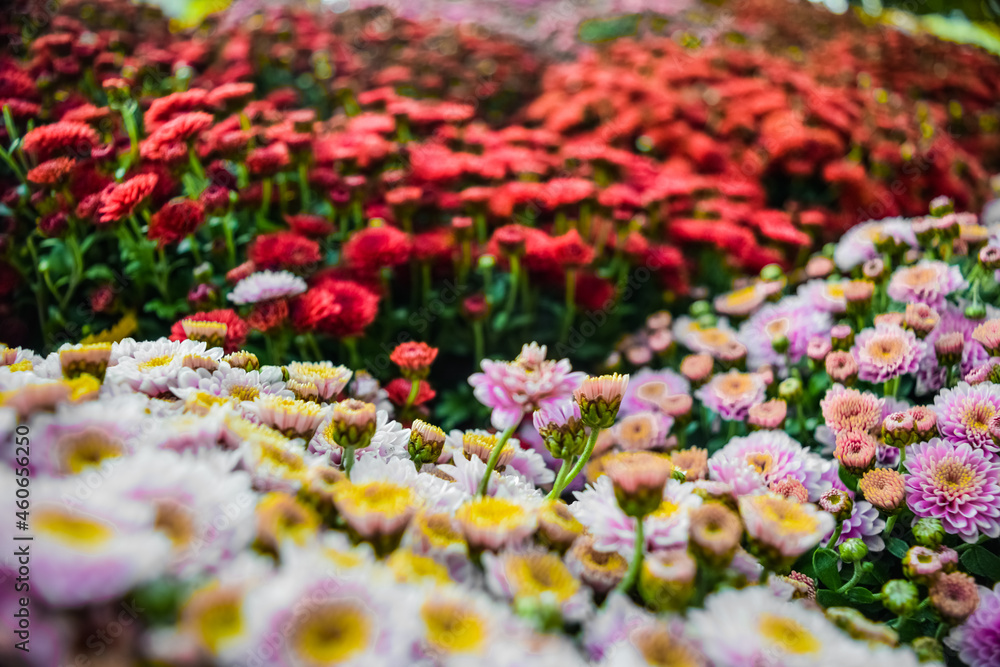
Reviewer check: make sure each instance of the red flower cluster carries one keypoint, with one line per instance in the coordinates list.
(340, 308)
(284, 250)
(176, 220)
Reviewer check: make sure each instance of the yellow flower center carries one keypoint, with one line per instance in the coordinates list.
(343, 559)
(666, 509)
(216, 615)
(25, 365)
(492, 512)
(953, 478)
(332, 634)
(778, 328)
(977, 417)
(453, 627)
(530, 575)
(156, 362)
(83, 387)
(735, 384)
(835, 291)
(379, 497)
(759, 461)
(917, 276)
(741, 296)
(788, 634)
(439, 530)
(885, 348)
(79, 532)
(789, 516)
(244, 393)
(88, 449)
(660, 649)
(282, 516)
(411, 568)
(713, 337)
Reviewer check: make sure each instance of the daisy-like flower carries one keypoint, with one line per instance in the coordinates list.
(516, 388)
(788, 324)
(641, 430)
(987, 334)
(704, 339)
(964, 414)
(761, 628)
(235, 384)
(376, 511)
(825, 295)
(535, 575)
(614, 532)
(740, 302)
(772, 456)
(886, 352)
(290, 416)
(857, 246)
(732, 394)
(927, 281)
(637, 400)
(154, 367)
(328, 379)
(266, 286)
(850, 410)
(91, 359)
(781, 529)
(692, 460)
(601, 570)
(768, 415)
(94, 552)
(956, 483)
(976, 641)
(697, 368)
(460, 627)
(493, 523)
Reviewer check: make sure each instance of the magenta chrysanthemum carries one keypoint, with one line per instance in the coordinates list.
(886, 352)
(931, 375)
(957, 484)
(927, 281)
(964, 414)
(732, 394)
(516, 388)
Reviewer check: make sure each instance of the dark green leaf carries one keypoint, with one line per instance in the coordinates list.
(98, 272)
(831, 599)
(898, 547)
(861, 595)
(849, 480)
(825, 566)
(981, 561)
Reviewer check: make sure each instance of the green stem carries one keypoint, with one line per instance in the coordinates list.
(265, 199)
(515, 279)
(588, 449)
(352, 350)
(902, 458)
(40, 300)
(852, 581)
(195, 250)
(348, 460)
(304, 194)
(414, 390)
(635, 566)
(196, 167)
(889, 525)
(561, 475)
(570, 303)
(731, 429)
(836, 535)
(230, 244)
(477, 341)
(313, 346)
(891, 387)
(491, 463)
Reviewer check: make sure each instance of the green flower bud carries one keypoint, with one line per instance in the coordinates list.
(900, 597)
(426, 443)
(780, 344)
(853, 550)
(928, 532)
(790, 390)
(928, 649)
(772, 272)
(699, 308)
(975, 311)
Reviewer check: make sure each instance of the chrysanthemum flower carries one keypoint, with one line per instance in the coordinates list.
(154, 367)
(641, 430)
(294, 418)
(956, 483)
(851, 410)
(376, 511)
(716, 532)
(52, 172)
(732, 394)
(492, 523)
(414, 359)
(976, 641)
(740, 302)
(964, 414)
(341, 308)
(886, 352)
(638, 479)
(513, 389)
(856, 450)
(793, 320)
(927, 281)
(121, 200)
(693, 461)
(987, 334)
(267, 285)
(664, 381)
(768, 415)
(954, 596)
(92, 359)
(771, 456)
(703, 339)
(283, 250)
(883, 488)
(783, 529)
(601, 570)
(858, 245)
(233, 331)
(373, 248)
(44, 141)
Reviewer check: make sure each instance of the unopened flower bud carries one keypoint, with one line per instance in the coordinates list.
(772, 272)
(599, 399)
(852, 550)
(837, 503)
(842, 337)
(941, 206)
(987, 334)
(924, 424)
(948, 348)
(928, 532)
(989, 257)
(874, 269)
(841, 367)
(900, 597)
(561, 429)
(858, 294)
(426, 443)
(884, 488)
(920, 318)
(897, 429)
(666, 580)
(928, 649)
(921, 565)
(955, 596)
(780, 344)
(975, 311)
(638, 479)
(790, 390)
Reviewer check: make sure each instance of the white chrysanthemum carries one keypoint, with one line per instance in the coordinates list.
(389, 441)
(760, 628)
(86, 551)
(437, 493)
(233, 383)
(667, 527)
(203, 506)
(153, 367)
(267, 285)
(707, 340)
(467, 474)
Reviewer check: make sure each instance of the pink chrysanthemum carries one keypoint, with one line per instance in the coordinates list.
(794, 319)
(516, 388)
(633, 400)
(886, 352)
(957, 484)
(732, 394)
(927, 281)
(931, 375)
(964, 414)
(849, 409)
(865, 524)
(977, 641)
(772, 456)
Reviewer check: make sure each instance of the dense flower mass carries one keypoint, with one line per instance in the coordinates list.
(712, 277)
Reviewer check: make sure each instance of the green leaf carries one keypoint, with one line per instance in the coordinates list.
(98, 272)
(849, 480)
(831, 599)
(861, 595)
(500, 322)
(981, 561)
(825, 566)
(898, 547)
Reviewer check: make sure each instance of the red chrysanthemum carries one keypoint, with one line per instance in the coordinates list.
(268, 160)
(121, 200)
(341, 308)
(168, 142)
(52, 172)
(176, 220)
(509, 239)
(571, 251)
(434, 245)
(45, 141)
(229, 95)
(592, 292)
(283, 250)
(162, 109)
(236, 328)
(268, 314)
(414, 359)
(373, 248)
(399, 391)
(313, 226)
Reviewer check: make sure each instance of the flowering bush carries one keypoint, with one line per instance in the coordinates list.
(736, 498)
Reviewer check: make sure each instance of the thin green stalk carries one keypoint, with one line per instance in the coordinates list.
(491, 463)
(889, 525)
(348, 460)
(414, 390)
(195, 250)
(304, 193)
(836, 535)
(853, 580)
(40, 300)
(478, 343)
(626, 584)
(588, 449)
(570, 303)
(265, 200)
(515, 280)
(227, 230)
(567, 463)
